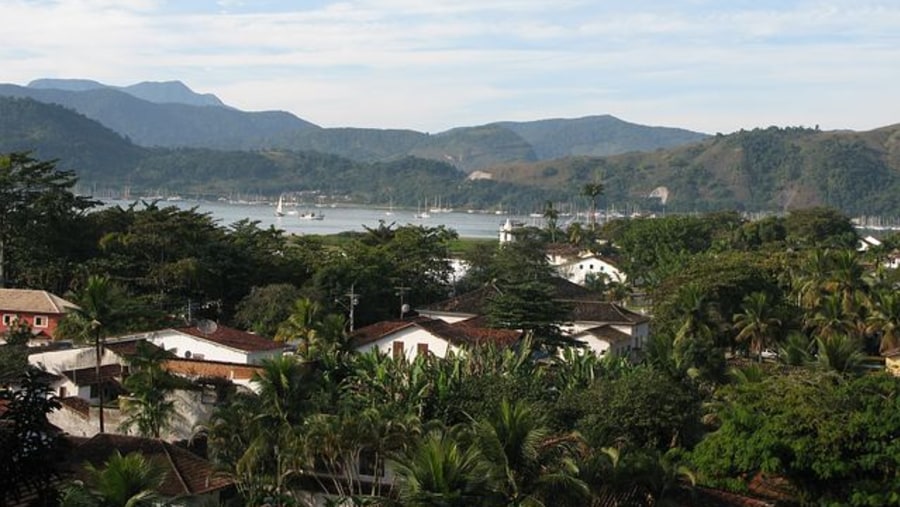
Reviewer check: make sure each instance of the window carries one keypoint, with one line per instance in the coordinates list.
(9, 319)
(398, 350)
(422, 349)
(40, 321)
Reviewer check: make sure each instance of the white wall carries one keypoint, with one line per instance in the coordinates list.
(411, 338)
(71, 359)
(577, 271)
(180, 344)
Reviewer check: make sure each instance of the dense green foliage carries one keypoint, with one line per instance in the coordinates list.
(759, 360)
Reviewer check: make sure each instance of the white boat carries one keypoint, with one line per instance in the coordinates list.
(390, 210)
(421, 215)
(279, 208)
(312, 215)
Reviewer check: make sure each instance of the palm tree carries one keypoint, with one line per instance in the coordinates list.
(885, 319)
(439, 471)
(796, 349)
(148, 408)
(551, 215)
(284, 385)
(846, 278)
(830, 318)
(300, 326)
(123, 481)
(840, 353)
(696, 310)
(531, 462)
(756, 323)
(97, 312)
(591, 191)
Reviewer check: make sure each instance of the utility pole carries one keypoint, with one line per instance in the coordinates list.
(401, 291)
(353, 300)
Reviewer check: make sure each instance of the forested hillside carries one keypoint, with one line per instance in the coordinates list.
(760, 169)
(757, 170)
(171, 115)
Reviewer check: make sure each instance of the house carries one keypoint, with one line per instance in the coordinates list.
(867, 243)
(210, 342)
(188, 479)
(424, 335)
(585, 266)
(598, 324)
(39, 309)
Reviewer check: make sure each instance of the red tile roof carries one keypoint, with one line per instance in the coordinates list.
(127, 348)
(33, 301)
(199, 368)
(586, 305)
(602, 311)
(234, 338)
(462, 333)
(186, 474)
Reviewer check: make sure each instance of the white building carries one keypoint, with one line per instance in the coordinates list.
(424, 335)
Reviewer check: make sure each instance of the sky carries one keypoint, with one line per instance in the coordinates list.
(431, 65)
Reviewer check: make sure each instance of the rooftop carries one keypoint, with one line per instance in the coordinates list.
(233, 338)
(33, 301)
(186, 474)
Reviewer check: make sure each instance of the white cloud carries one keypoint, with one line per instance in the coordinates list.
(434, 65)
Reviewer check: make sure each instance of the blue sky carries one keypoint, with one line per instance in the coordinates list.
(713, 66)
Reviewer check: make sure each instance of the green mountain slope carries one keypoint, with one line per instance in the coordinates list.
(171, 124)
(762, 169)
(596, 136)
(168, 92)
(108, 163)
(52, 132)
(171, 115)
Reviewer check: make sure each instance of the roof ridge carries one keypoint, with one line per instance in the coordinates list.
(165, 447)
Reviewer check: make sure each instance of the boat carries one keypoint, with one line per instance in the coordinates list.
(311, 215)
(279, 208)
(390, 210)
(421, 215)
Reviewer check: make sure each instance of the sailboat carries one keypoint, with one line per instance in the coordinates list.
(279, 208)
(390, 210)
(421, 215)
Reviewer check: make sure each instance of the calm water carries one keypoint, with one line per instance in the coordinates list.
(344, 218)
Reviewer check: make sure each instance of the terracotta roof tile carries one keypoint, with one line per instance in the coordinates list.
(199, 368)
(234, 338)
(126, 348)
(33, 301)
(586, 303)
(462, 333)
(186, 474)
(601, 311)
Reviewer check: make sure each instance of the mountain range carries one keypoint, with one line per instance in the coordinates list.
(211, 149)
(171, 115)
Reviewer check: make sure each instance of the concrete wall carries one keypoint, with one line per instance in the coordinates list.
(192, 407)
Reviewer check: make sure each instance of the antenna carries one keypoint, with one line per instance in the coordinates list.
(207, 327)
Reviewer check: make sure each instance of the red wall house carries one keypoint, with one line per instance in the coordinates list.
(38, 308)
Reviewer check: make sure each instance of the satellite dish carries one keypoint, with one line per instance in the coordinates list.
(207, 327)
(404, 308)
